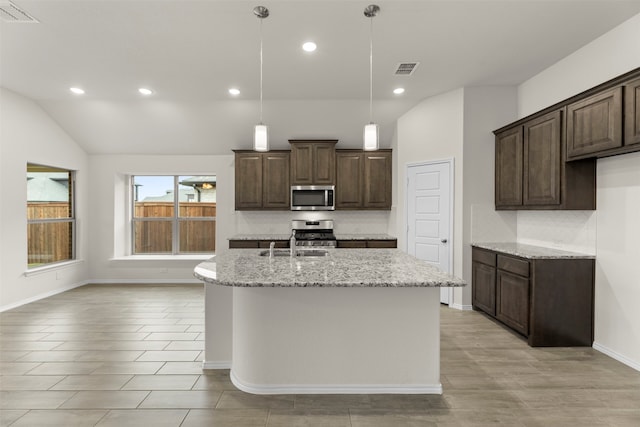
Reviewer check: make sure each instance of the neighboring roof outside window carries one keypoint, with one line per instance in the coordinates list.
(47, 187)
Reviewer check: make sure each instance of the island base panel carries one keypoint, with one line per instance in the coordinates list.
(336, 340)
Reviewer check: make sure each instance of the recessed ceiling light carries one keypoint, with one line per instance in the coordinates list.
(398, 90)
(77, 90)
(144, 91)
(309, 46)
(235, 92)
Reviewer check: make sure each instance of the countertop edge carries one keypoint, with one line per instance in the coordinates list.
(530, 251)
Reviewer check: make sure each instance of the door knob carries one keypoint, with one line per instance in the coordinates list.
(444, 240)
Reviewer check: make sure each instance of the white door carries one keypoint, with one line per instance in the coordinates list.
(429, 215)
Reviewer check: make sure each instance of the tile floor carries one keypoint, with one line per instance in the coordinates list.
(129, 355)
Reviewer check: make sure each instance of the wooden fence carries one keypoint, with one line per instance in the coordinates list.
(155, 236)
(48, 242)
(51, 242)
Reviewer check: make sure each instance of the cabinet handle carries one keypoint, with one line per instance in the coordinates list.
(444, 240)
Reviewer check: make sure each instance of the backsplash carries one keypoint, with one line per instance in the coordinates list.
(567, 230)
(346, 222)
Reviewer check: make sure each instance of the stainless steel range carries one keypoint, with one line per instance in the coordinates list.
(313, 233)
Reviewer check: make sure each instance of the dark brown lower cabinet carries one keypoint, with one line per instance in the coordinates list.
(255, 244)
(512, 301)
(361, 244)
(484, 287)
(548, 300)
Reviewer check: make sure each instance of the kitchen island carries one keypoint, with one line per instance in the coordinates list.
(355, 321)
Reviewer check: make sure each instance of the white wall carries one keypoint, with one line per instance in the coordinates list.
(459, 125)
(109, 213)
(617, 246)
(485, 109)
(433, 130)
(28, 134)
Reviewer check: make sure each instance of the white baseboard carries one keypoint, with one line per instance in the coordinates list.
(461, 307)
(336, 388)
(149, 281)
(617, 356)
(224, 364)
(42, 296)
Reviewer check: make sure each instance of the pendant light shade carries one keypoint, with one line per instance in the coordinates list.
(370, 137)
(261, 131)
(261, 138)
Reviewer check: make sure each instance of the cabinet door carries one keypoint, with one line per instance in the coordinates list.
(248, 171)
(595, 124)
(349, 171)
(302, 164)
(483, 279)
(632, 113)
(512, 302)
(324, 164)
(377, 180)
(542, 160)
(313, 162)
(508, 168)
(275, 181)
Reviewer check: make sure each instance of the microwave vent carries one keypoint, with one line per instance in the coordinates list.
(9, 12)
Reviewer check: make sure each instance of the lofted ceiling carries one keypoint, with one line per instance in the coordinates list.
(191, 52)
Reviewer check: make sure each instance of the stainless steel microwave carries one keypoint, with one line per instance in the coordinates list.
(313, 198)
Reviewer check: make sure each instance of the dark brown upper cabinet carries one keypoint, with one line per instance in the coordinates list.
(542, 160)
(530, 171)
(363, 179)
(313, 162)
(262, 180)
(377, 179)
(632, 113)
(594, 124)
(349, 175)
(508, 168)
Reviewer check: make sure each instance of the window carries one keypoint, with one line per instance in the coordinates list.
(50, 215)
(173, 214)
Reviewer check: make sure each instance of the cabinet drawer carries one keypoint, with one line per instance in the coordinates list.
(279, 243)
(484, 257)
(513, 265)
(382, 243)
(352, 244)
(243, 244)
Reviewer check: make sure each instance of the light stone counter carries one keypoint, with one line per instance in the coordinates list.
(531, 252)
(340, 236)
(272, 236)
(341, 268)
(357, 321)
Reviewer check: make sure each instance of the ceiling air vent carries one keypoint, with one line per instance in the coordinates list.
(9, 12)
(406, 68)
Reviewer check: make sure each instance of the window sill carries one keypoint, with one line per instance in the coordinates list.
(52, 267)
(160, 259)
(186, 257)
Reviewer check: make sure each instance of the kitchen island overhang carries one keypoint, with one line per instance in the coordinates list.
(356, 321)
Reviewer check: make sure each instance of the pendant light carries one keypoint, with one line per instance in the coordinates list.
(261, 131)
(371, 130)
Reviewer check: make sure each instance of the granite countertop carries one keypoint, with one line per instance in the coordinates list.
(273, 236)
(341, 268)
(339, 236)
(531, 252)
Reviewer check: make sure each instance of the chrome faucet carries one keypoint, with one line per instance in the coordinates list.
(271, 246)
(292, 243)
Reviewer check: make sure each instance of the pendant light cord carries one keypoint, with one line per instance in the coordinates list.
(260, 71)
(371, 71)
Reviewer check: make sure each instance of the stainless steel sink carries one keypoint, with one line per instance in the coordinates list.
(300, 252)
